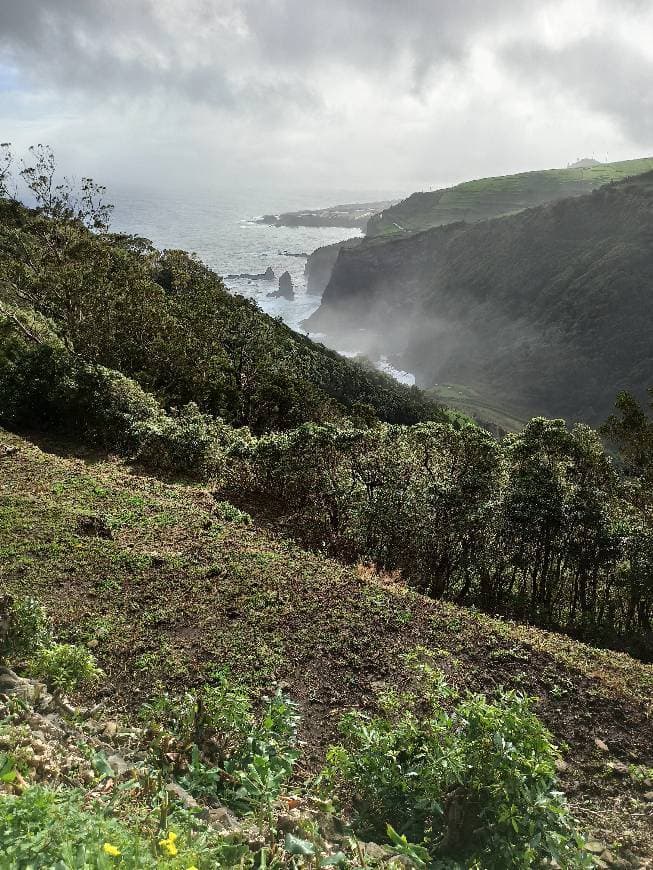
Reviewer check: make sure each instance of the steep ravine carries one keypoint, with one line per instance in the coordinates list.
(550, 308)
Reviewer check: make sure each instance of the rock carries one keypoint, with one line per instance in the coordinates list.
(181, 794)
(285, 286)
(614, 861)
(600, 745)
(93, 527)
(595, 847)
(285, 290)
(648, 795)
(223, 819)
(561, 766)
(110, 728)
(118, 765)
(374, 851)
(288, 822)
(268, 275)
(12, 684)
(619, 768)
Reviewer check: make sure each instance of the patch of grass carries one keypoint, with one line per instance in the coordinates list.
(486, 198)
(168, 604)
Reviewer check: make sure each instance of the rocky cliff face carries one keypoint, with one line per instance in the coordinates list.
(550, 308)
(320, 263)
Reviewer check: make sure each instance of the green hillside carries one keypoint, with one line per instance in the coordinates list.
(256, 600)
(488, 412)
(546, 310)
(491, 197)
(171, 588)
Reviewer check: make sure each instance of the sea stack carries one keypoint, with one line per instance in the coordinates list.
(285, 290)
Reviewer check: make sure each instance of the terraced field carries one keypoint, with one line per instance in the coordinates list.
(486, 198)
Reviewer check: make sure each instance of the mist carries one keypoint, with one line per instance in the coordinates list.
(292, 94)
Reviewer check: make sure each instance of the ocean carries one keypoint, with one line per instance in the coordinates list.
(221, 228)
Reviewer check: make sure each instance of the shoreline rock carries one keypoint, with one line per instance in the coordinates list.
(286, 289)
(268, 275)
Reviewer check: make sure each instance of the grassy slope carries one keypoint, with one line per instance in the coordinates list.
(179, 592)
(490, 197)
(483, 408)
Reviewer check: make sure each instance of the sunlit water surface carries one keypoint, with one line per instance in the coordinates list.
(221, 228)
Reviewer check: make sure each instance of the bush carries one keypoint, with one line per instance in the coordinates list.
(64, 667)
(45, 387)
(185, 441)
(223, 751)
(476, 786)
(24, 627)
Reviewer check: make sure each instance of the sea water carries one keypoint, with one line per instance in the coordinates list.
(221, 227)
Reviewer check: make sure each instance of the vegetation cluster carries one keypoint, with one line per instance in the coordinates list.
(109, 342)
(204, 787)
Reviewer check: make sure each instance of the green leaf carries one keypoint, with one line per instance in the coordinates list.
(295, 846)
(338, 859)
(7, 768)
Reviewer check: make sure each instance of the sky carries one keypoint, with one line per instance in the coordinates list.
(360, 94)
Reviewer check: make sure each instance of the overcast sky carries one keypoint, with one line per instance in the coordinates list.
(388, 94)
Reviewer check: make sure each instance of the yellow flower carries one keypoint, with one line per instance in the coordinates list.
(169, 843)
(109, 849)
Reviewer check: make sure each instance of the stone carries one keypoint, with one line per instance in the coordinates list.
(268, 275)
(181, 794)
(110, 728)
(619, 768)
(615, 861)
(601, 745)
(118, 765)
(11, 684)
(223, 819)
(285, 290)
(648, 795)
(374, 851)
(288, 822)
(595, 847)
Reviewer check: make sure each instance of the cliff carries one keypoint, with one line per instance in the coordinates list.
(549, 309)
(320, 263)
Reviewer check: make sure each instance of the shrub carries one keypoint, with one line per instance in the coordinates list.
(23, 627)
(64, 666)
(475, 785)
(184, 441)
(221, 750)
(46, 387)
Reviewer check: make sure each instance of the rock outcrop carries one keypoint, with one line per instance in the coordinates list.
(268, 275)
(286, 289)
(320, 263)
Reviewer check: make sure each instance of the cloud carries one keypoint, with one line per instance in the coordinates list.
(612, 77)
(384, 93)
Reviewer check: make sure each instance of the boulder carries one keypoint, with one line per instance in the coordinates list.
(285, 290)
